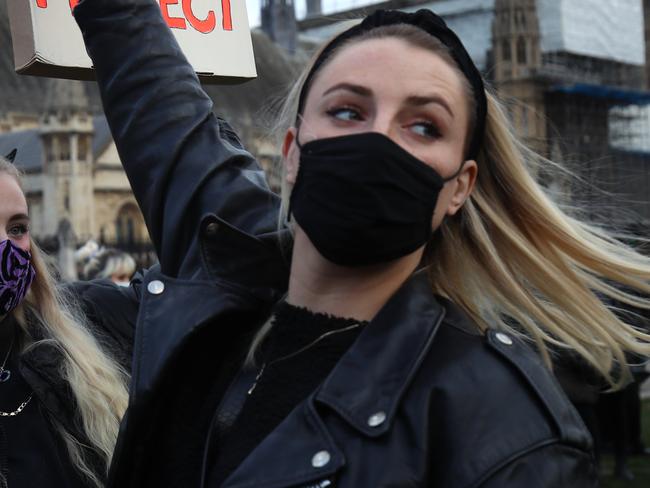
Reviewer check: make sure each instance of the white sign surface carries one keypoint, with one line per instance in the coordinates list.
(213, 34)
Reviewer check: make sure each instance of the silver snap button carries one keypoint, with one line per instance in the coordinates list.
(211, 229)
(376, 419)
(504, 338)
(156, 287)
(320, 459)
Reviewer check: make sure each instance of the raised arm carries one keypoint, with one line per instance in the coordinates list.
(181, 160)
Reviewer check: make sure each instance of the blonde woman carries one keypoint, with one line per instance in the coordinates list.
(113, 264)
(419, 238)
(62, 393)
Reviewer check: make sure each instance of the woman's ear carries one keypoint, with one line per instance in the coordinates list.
(465, 182)
(289, 156)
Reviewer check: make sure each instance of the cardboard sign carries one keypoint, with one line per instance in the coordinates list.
(213, 34)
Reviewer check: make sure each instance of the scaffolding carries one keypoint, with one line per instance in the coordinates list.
(603, 135)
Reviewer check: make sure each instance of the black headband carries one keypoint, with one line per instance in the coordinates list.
(11, 156)
(433, 25)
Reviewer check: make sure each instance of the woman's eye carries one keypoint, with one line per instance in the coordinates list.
(18, 230)
(344, 113)
(425, 129)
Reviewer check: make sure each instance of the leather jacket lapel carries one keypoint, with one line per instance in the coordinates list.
(368, 382)
(302, 438)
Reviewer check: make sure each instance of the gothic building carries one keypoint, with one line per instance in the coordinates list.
(517, 62)
(587, 111)
(279, 23)
(72, 172)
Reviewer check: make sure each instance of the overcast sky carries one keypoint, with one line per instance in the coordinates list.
(253, 7)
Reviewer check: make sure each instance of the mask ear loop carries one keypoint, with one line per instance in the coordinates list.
(299, 122)
(287, 218)
(455, 175)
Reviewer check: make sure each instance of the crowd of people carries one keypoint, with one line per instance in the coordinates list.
(403, 314)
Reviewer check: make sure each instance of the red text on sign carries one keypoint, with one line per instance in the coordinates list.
(204, 26)
(43, 3)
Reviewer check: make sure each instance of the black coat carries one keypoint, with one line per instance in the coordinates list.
(420, 399)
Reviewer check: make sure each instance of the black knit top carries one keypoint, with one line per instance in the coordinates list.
(300, 351)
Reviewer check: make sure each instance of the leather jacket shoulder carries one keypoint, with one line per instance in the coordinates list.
(441, 405)
(505, 415)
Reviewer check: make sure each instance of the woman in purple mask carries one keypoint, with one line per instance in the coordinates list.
(379, 349)
(62, 392)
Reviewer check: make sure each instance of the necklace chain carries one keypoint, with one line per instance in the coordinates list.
(4, 377)
(20, 408)
(302, 349)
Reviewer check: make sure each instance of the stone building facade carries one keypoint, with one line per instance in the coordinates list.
(72, 172)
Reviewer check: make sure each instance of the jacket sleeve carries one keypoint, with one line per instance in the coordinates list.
(181, 160)
(551, 466)
(111, 312)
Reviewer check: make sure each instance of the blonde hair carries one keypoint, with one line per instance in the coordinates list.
(108, 262)
(98, 383)
(512, 259)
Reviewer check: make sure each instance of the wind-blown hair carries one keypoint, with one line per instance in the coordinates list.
(98, 383)
(512, 259)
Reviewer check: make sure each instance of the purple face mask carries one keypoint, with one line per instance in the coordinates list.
(16, 275)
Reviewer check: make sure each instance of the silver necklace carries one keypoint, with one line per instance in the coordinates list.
(5, 374)
(295, 353)
(20, 408)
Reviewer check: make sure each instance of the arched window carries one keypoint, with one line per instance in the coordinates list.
(520, 18)
(505, 50)
(521, 51)
(66, 196)
(50, 149)
(64, 149)
(82, 148)
(129, 225)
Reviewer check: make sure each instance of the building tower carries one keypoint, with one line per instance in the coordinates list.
(66, 134)
(314, 8)
(517, 62)
(279, 23)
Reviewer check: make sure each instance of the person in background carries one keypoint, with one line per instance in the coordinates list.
(365, 340)
(63, 389)
(112, 264)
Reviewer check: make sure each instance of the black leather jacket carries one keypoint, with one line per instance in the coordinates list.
(420, 399)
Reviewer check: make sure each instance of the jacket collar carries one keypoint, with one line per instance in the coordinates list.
(368, 382)
(264, 268)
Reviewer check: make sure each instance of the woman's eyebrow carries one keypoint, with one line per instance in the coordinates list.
(20, 216)
(358, 89)
(417, 100)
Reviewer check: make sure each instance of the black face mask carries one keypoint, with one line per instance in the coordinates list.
(362, 199)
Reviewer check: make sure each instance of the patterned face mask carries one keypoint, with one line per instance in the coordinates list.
(16, 275)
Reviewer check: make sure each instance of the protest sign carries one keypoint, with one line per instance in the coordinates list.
(213, 34)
